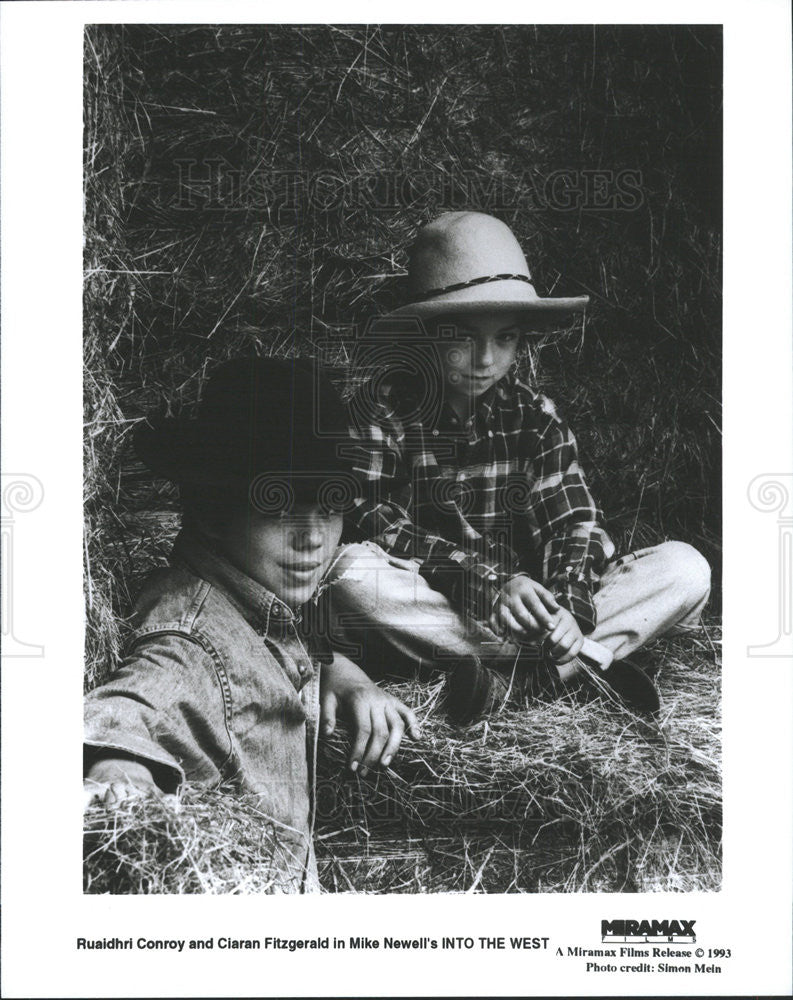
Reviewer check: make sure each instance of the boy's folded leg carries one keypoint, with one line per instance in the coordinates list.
(401, 624)
(649, 593)
(473, 690)
(477, 687)
(622, 681)
(384, 615)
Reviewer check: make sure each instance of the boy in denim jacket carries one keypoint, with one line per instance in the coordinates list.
(222, 682)
(483, 546)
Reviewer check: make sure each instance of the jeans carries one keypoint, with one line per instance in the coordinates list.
(383, 614)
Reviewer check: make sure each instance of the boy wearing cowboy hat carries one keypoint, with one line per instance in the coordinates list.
(222, 682)
(482, 539)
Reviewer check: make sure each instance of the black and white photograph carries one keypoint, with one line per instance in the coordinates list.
(397, 499)
(403, 376)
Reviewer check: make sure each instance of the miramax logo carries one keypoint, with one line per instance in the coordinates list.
(648, 930)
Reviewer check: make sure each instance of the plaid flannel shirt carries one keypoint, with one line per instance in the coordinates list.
(477, 502)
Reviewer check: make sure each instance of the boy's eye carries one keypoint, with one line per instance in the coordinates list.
(508, 338)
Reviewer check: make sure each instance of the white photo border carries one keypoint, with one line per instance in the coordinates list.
(41, 46)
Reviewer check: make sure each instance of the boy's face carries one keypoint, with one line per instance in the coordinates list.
(483, 351)
(288, 553)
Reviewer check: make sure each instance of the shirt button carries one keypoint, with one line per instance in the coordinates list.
(490, 434)
(278, 610)
(435, 432)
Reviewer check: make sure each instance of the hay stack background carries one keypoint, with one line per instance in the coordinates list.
(252, 190)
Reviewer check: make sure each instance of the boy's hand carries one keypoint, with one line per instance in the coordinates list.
(565, 639)
(528, 611)
(525, 609)
(377, 719)
(113, 781)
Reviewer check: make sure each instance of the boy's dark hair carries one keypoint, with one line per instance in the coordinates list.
(209, 508)
(270, 432)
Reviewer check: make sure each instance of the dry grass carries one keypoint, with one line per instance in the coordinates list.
(560, 796)
(216, 842)
(415, 120)
(550, 796)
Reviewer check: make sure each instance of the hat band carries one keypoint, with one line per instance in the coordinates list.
(434, 292)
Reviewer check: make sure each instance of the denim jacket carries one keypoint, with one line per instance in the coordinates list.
(218, 687)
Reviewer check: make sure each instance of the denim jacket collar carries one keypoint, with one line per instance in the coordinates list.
(259, 606)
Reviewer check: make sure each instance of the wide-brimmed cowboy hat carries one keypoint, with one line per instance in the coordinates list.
(469, 262)
(271, 429)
